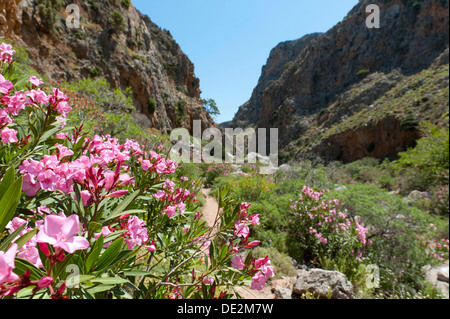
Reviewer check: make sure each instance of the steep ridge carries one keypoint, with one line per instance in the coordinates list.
(114, 41)
(331, 77)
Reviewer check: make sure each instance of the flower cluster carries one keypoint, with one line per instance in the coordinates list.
(321, 229)
(260, 269)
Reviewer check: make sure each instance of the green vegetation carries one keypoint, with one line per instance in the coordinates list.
(181, 110)
(211, 107)
(402, 228)
(362, 72)
(151, 105)
(117, 21)
(48, 11)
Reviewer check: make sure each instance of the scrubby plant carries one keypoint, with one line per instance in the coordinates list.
(117, 21)
(48, 10)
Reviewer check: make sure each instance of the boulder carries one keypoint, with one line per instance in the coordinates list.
(324, 284)
(282, 293)
(442, 274)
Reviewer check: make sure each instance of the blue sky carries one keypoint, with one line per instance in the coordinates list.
(229, 41)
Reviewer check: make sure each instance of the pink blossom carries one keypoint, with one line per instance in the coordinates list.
(237, 262)
(7, 265)
(15, 103)
(86, 198)
(9, 136)
(5, 86)
(60, 232)
(6, 52)
(170, 211)
(240, 230)
(254, 220)
(136, 231)
(258, 281)
(160, 195)
(63, 151)
(35, 81)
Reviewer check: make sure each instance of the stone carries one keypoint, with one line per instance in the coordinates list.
(324, 284)
(282, 293)
(442, 274)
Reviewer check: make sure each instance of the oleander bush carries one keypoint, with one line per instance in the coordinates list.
(84, 215)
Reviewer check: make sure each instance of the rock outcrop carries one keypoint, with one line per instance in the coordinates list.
(311, 84)
(114, 41)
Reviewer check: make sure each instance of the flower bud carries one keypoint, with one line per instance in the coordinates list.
(44, 282)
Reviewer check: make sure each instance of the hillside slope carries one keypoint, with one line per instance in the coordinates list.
(333, 76)
(114, 41)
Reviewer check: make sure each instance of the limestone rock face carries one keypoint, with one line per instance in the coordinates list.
(135, 53)
(314, 83)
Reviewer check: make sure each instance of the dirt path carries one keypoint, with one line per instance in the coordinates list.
(210, 209)
(209, 215)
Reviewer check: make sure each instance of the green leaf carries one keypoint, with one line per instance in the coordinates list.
(119, 211)
(100, 288)
(26, 238)
(94, 227)
(110, 280)
(21, 266)
(95, 252)
(135, 273)
(109, 255)
(8, 240)
(7, 181)
(9, 202)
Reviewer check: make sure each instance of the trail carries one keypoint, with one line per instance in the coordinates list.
(209, 215)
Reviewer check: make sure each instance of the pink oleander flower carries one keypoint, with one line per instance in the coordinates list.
(5, 85)
(15, 103)
(258, 281)
(240, 230)
(6, 52)
(7, 265)
(9, 136)
(4, 117)
(136, 231)
(60, 232)
(86, 198)
(170, 211)
(35, 81)
(255, 220)
(237, 262)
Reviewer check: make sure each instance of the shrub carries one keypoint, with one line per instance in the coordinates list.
(318, 231)
(117, 21)
(48, 10)
(398, 232)
(181, 110)
(151, 105)
(362, 72)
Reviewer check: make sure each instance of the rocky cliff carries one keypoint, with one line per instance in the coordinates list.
(311, 86)
(114, 41)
